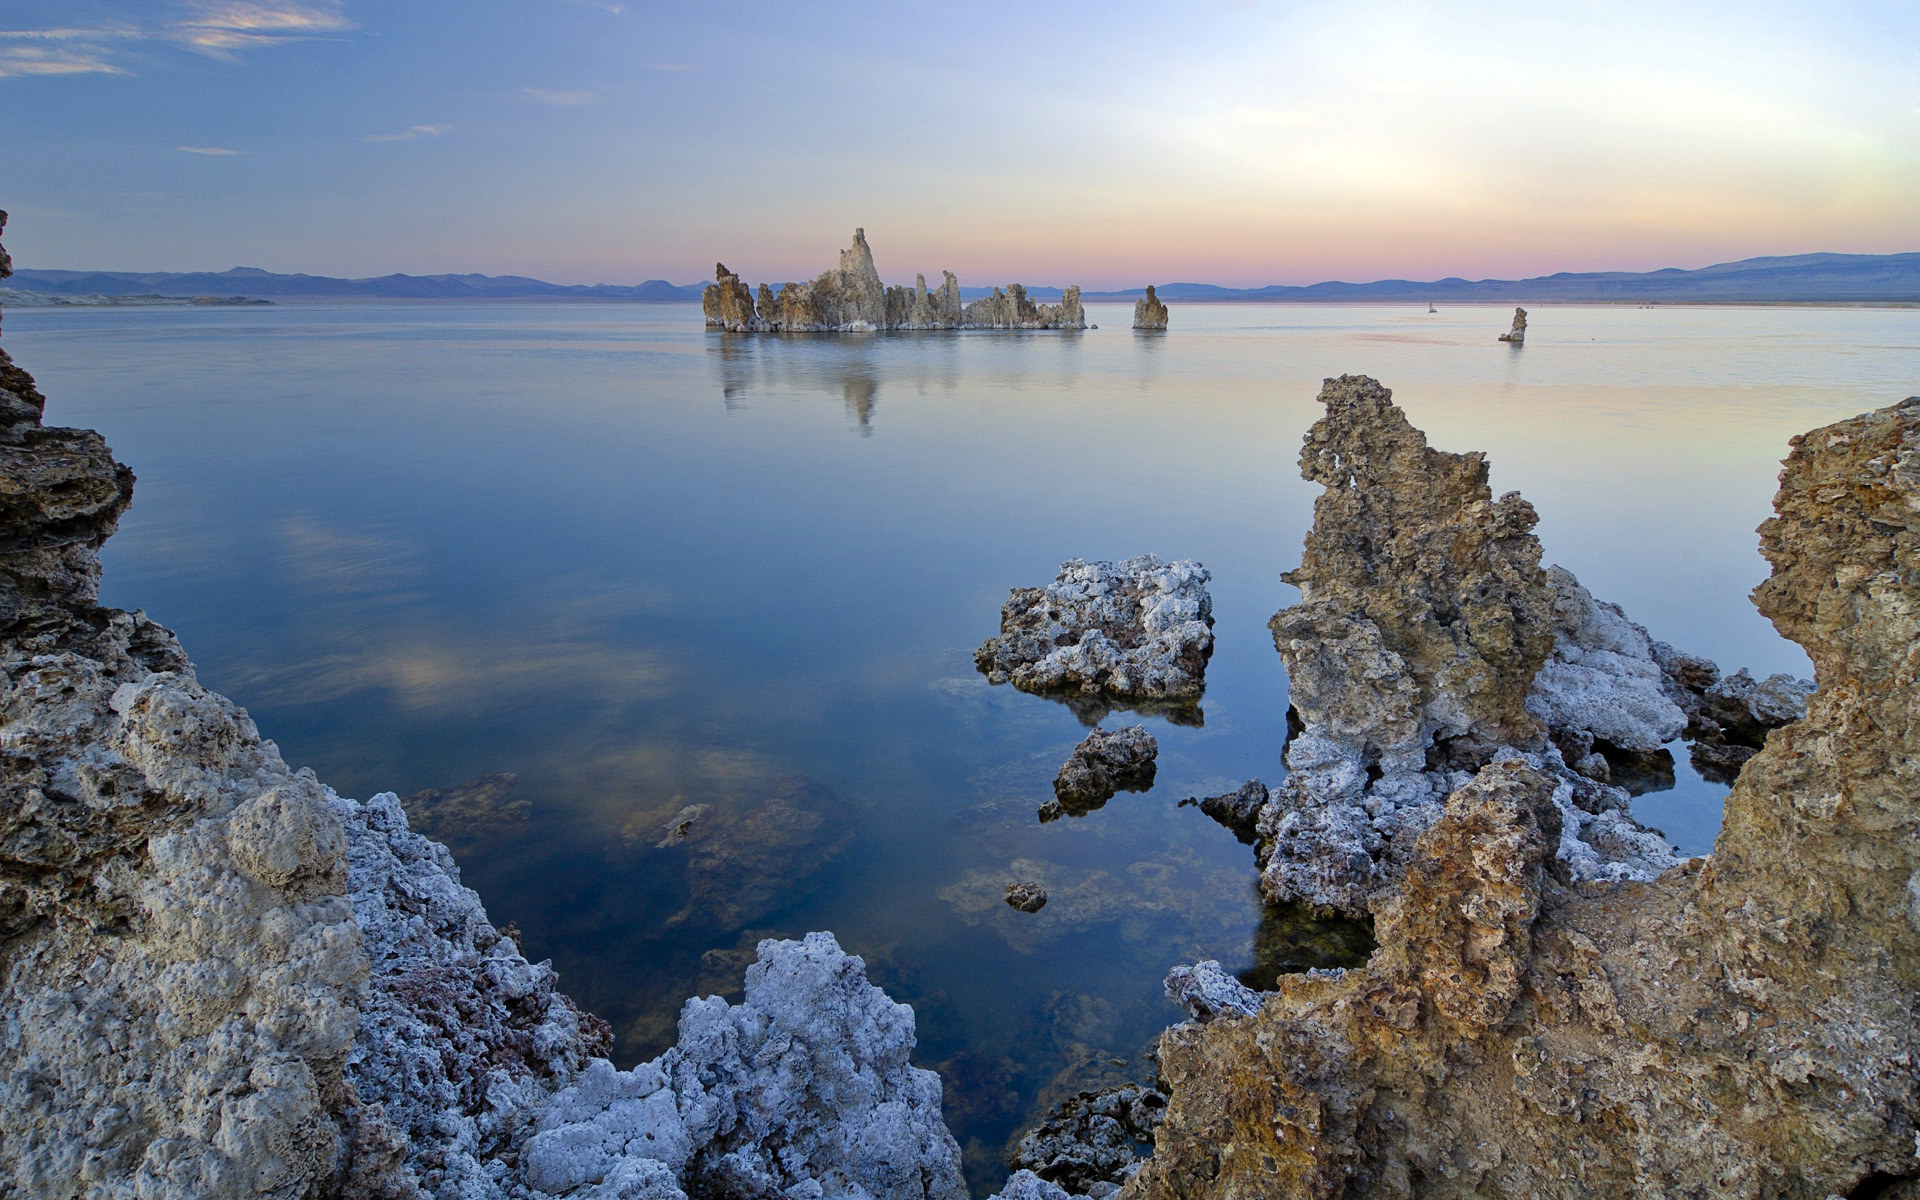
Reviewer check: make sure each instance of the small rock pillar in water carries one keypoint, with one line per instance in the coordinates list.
(1518, 333)
(1149, 312)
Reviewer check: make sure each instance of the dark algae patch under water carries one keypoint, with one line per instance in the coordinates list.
(677, 630)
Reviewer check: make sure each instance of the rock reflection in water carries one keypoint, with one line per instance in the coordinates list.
(851, 368)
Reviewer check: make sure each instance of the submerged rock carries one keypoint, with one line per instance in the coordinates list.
(1735, 1026)
(1416, 656)
(1149, 312)
(1518, 333)
(223, 981)
(1134, 634)
(1026, 897)
(1108, 761)
(468, 816)
(851, 299)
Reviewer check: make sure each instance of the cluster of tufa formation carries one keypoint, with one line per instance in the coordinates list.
(851, 299)
(1136, 634)
(1738, 1026)
(224, 981)
(1149, 312)
(1428, 642)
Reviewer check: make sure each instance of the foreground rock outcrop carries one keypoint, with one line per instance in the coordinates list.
(1739, 1026)
(1134, 634)
(1428, 642)
(851, 299)
(221, 980)
(1149, 311)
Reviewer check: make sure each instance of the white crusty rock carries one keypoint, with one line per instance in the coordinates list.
(803, 1089)
(851, 299)
(1206, 991)
(1135, 634)
(1602, 677)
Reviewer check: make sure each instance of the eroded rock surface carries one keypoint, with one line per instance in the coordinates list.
(1108, 761)
(1739, 1026)
(1094, 1141)
(1415, 657)
(1133, 634)
(1149, 311)
(850, 298)
(1728, 719)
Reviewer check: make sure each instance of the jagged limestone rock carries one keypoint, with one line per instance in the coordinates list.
(1413, 660)
(1107, 761)
(1728, 719)
(852, 299)
(1136, 634)
(1149, 312)
(1090, 1139)
(1739, 1026)
(1518, 333)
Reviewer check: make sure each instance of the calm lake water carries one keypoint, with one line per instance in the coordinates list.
(645, 568)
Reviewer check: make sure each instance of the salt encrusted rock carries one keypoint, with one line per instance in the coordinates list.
(1133, 634)
(1108, 761)
(1092, 1139)
(1026, 897)
(1734, 1027)
(1149, 312)
(852, 299)
(1206, 991)
(1414, 659)
(804, 1088)
(1602, 678)
(1518, 333)
(1025, 1185)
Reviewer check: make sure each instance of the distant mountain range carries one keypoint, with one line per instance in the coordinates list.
(1803, 278)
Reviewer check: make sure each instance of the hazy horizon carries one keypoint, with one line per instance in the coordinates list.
(1237, 144)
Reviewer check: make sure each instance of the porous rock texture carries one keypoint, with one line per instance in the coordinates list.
(1414, 658)
(850, 298)
(1090, 1143)
(1106, 762)
(219, 979)
(1739, 1026)
(1133, 634)
(1728, 719)
(1149, 311)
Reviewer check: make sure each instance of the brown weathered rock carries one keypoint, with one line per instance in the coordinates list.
(727, 303)
(1149, 311)
(1740, 1026)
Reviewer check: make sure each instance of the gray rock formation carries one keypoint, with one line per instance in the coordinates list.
(1149, 312)
(1238, 810)
(852, 299)
(1206, 990)
(1093, 1142)
(222, 981)
(1728, 719)
(1108, 761)
(1136, 634)
(1518, 333)
(1415, 656)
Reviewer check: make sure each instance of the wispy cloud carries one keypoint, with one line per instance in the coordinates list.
(221, 28)
(408, 135)
(545, 96)
(52, 60)
(210, 151)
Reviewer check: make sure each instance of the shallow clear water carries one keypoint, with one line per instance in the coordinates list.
(644, 568)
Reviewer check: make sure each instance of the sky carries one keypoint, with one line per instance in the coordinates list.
(1105, 144)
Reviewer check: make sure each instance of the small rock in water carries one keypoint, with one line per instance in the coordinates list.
(1518, 333)
(1027, 897)
(1238, 810)
(1150, 312)
(680, 824)
(1107, 762)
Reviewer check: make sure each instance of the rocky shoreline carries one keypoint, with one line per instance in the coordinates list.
(224, 980)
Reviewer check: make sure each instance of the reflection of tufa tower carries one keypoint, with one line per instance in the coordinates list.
(1518, 333)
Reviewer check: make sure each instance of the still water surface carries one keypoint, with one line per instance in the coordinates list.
(645, 568)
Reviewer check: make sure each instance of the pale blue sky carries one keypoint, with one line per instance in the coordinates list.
(1105, 144)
